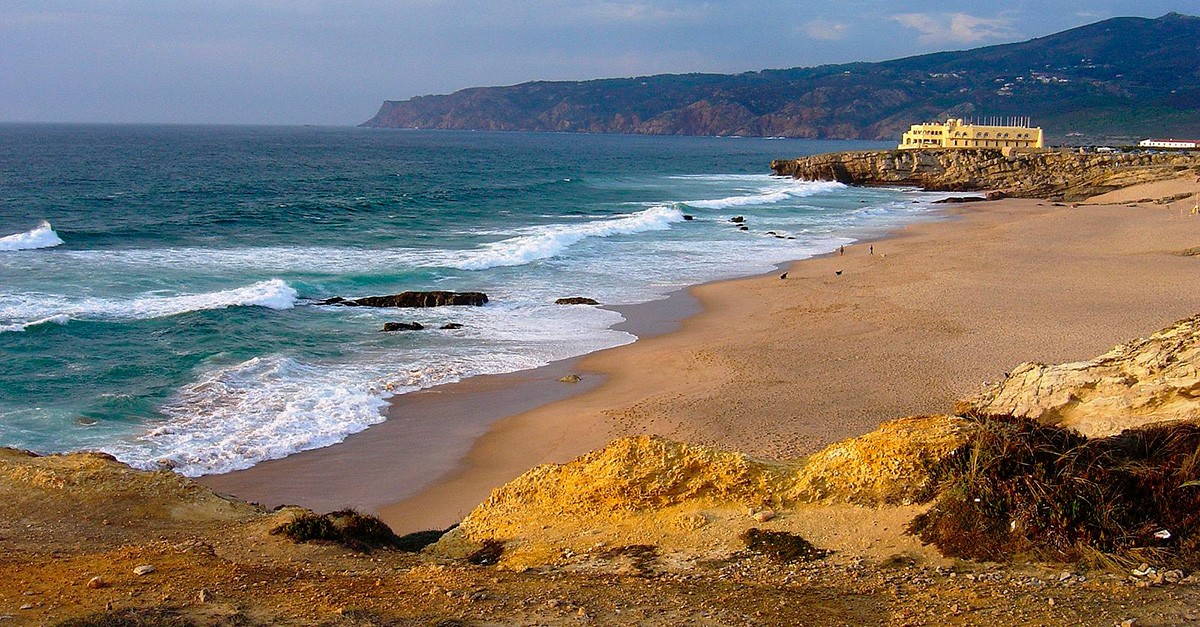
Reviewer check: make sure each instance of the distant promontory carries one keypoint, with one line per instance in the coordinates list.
(1122, 78)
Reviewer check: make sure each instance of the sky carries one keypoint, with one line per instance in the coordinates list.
(332, 62)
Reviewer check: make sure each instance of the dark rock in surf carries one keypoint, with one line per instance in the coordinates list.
(737, 219)
(688, 217)
(412, 299)
(451, 326)
(576, 300)
(388, 327)
(959, 199)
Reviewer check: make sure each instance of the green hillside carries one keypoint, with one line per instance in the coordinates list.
(1121, 78)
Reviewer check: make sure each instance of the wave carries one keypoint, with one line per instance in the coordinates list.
(768, 195)
(550, 241)
(21, 326)
(273, 294)
(264, 408)
(41, 237)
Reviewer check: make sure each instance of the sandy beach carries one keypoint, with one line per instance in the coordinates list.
(780, 368)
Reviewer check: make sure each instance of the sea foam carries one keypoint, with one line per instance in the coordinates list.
(41, 237)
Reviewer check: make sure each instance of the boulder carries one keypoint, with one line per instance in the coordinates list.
(576, 300)
(449, 326)
(412, 299)
(737, 219)
(388, 327)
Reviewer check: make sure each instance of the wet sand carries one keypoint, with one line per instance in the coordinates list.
(780, 368)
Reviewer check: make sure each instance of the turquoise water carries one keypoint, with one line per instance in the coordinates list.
(157, 283)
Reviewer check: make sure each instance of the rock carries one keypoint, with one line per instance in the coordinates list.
(571, 378)
(144, 569)
(959, 199)
(413, 299)
(1063, 576)
(1173, 576)
(576, 300)
(996, 195)
(1024, 174)
(1129, 622)
(743, 228)
(737, 219)
(96, 583)
(1146, 381)
(27, 606)
(204, 596)
(450, 326)
(764, 515)
(688, 217)
(388, 327)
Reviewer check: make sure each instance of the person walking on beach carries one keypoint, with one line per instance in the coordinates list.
(841, 250)
(872, 249)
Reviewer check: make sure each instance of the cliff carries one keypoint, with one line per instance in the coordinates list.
(1057, 175)
(1123, 77)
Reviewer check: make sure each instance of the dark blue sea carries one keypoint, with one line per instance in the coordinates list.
(157, 283)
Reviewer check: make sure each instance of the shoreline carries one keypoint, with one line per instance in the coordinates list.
(750, 369)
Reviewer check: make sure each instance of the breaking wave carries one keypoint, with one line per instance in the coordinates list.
(41, 237)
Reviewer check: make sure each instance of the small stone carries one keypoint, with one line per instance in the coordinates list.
(96, 582)
(27, 606)
(144, 569)
(1173, 576)
(571, 378)
(1063, 576)
(1050, 602)
(764, 515)
(205, 596)
(1129, 622)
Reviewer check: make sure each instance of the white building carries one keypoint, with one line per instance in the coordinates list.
(1169, 143)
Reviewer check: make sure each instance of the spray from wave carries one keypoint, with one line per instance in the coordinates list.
(41, 237)
(551, 241)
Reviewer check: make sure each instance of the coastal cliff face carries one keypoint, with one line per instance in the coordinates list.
(1056, 175)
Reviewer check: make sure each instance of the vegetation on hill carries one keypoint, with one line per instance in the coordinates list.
(1119, 78)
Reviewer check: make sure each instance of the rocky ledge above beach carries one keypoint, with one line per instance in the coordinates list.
(1053, 174)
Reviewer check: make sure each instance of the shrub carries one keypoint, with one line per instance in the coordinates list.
(355, 531)
(1018, 486)
(781, 546)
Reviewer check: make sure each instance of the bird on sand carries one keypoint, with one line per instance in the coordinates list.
(783, 276)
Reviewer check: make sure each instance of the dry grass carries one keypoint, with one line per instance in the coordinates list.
(1021, 487)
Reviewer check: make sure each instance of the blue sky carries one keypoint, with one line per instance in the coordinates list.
(333, 62)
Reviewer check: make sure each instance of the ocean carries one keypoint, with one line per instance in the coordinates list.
(158, 283)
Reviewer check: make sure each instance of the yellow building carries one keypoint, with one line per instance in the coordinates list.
(958, 134)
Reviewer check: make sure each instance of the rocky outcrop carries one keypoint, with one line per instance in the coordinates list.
(1053, 174)
(577, 300)
(389, 327)
(1150, 380)
(412, 299)
(650, 483)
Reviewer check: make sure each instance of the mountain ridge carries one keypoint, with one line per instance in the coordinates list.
(1119, 78)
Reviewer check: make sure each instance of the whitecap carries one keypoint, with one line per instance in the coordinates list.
(551, 240)
(21, 326)
(41, 237)
(272, 294)
(768, 195)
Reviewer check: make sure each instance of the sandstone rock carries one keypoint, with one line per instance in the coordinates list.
(571, 378)
(764, 515)
(144, 569)
(96, 583)
(576, 300)
(388, 327)
(204, 596)
(412, 299)
(1146, 381)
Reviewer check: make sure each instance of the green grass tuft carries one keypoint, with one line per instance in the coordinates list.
(355, 531)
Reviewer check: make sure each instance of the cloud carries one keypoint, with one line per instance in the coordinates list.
(637, 13)
(956, 27)
(825, 30)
